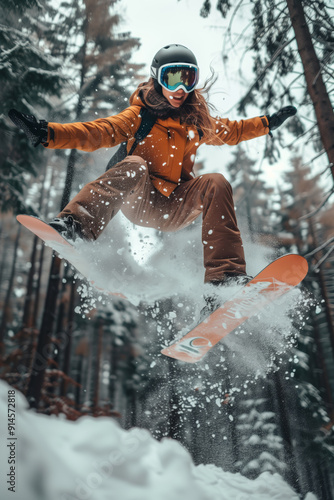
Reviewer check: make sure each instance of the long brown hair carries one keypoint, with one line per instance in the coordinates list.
(194, 111)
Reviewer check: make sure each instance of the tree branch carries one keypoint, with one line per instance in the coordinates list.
(319, 248)
(323, 259)
(314, 212)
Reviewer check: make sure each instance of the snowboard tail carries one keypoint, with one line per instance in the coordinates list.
(272, 282)
(64, 248)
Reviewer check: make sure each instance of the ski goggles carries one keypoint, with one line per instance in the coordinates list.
(176, 76)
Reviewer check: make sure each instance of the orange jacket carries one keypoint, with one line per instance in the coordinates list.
(169, 149)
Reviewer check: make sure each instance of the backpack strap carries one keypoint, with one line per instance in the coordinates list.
(200, 132)
(147, 122)
(145, 127)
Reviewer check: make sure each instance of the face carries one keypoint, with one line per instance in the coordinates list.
(176, 99)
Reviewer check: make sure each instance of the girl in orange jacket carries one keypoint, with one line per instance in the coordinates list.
(156, 186)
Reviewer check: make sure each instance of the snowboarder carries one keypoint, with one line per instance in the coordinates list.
(156, 187)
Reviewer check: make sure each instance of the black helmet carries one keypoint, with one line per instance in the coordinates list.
(174, 53)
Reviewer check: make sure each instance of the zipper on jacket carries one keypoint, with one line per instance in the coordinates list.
(171, 151)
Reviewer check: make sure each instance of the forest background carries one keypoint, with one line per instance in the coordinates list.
(262, 401)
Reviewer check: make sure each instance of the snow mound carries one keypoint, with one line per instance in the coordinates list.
(94, 458)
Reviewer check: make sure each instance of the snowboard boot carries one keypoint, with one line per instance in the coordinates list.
(68, 228)
(213, 301)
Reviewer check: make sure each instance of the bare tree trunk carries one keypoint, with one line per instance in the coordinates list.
(81, 352)
(38, 286)
(286, 431)
(78, 378)
(27, 320)
(174, 402)
(4, 251)
(324, 291)
(68, 340)
(73, 154)
(315, 84)
(45, 346)
(113, 371)
(96, 375)
(4, 318)
(58, 336)
(324, 375)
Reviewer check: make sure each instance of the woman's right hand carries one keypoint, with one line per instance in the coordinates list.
(36, 131)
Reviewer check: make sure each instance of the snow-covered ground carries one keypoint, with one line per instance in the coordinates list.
(94, 458)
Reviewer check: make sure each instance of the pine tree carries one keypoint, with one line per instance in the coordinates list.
(291, 42)
(29, 76)
(251, 195)
(260, 443)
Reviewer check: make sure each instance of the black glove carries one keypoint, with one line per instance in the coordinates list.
(36, 131)
(276, 119)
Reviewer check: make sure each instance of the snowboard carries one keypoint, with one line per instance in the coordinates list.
(64, 248)
(272, 282)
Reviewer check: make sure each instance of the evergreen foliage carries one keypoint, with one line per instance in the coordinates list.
(97, 55)
(29, 76)
(251, 194)
(291, 44)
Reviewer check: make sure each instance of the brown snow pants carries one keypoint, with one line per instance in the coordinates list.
(128, 187)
